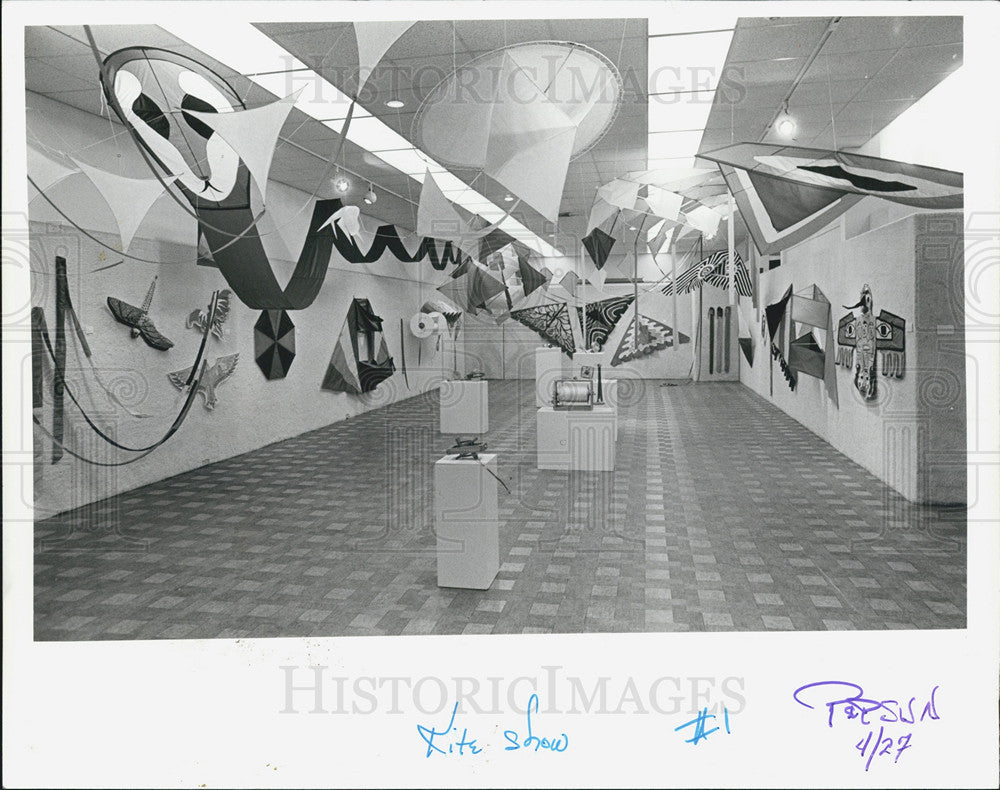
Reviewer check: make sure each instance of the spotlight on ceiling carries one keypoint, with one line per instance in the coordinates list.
(341, 184)
(785, 125)
(632, 227)
(370, 196)
(508, 198)
(395, 104)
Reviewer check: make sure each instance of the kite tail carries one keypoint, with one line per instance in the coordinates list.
(788, 373)
(893, 364)
(845, 356)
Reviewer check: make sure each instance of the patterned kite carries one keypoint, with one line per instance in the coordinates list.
(551, 321)
(274, 343)
(786, 193)
(713, 270)
(600, 319)
(864, 335)
(653, 336)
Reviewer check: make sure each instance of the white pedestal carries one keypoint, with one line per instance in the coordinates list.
(465, 407)
(548, 370)
(467, 522)
(576, 439)
(590, 359)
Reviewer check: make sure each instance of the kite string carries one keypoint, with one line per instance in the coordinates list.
(177, 421)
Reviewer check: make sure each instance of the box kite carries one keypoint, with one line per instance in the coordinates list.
(360, 360)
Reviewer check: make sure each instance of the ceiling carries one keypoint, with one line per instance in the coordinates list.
(844, 79)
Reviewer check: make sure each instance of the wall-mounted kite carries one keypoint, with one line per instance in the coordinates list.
(360, 360)
(600, 319)
(274, 343)
(774, 323)
(138, 319)
(199, 318)
(866, 336)
(652, 336)
(786, 193)
(714, 270)
(211, 377)
(805, 354)
(551, 321)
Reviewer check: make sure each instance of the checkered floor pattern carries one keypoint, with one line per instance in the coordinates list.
(724, 514)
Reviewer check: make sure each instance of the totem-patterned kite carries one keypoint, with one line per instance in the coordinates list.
(861, 337)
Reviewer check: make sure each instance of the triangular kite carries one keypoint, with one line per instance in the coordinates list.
(531, 278)
(551, 321)
(129, 199)
(652, 336)
(374, 40)
(599, 319)
(252, 134)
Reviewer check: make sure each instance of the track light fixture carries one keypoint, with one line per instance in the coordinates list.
(341, 183)
(370, 196)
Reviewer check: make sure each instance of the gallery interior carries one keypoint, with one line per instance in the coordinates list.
(496, 326)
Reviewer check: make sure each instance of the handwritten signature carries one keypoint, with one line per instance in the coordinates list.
(444, 742)
(849, 701)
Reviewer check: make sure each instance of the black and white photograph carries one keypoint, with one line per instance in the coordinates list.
(616, 329)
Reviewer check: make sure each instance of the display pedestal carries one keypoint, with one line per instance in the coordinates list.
(466, 518)
(576, 439)
(465, 407)
(548, 370)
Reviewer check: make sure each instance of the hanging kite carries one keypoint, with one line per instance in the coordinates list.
(199, 318)
(360, 360)
(530, 121)
(652, 336)
(600, 319)
(274, 343)
(138, 319)
(531, 278)
(551, 321)
(191, 123)
(211, 377)
(451, 315)
(787, 193)
(714, 270)
(865, 336)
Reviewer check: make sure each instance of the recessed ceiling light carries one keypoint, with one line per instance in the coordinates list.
(508, 198)
(341, 184)
(395, 104)
(632, 227)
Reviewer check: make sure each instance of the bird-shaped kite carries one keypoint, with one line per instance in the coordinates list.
(211, 377)
(138, 319)
(859, 337)
(199, 318)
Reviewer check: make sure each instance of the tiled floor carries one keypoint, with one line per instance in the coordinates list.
(723, 514)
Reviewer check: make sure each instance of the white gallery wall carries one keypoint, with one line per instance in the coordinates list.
(252, 411)
(913, 435)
